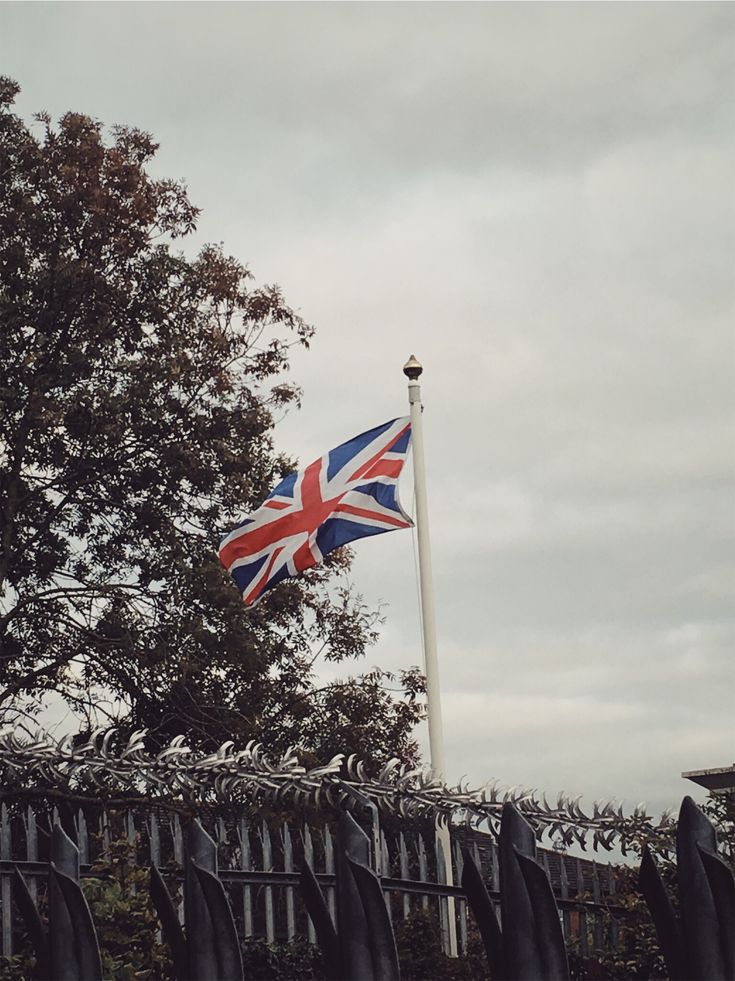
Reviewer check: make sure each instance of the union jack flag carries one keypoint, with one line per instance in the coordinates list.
(350, 492)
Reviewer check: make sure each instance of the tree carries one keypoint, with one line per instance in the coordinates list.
(136, 417)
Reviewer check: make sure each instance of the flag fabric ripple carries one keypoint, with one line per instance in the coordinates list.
(350, 492)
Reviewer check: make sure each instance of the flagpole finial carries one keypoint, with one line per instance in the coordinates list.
(412, 368)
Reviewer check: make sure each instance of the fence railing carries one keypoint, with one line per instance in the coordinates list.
(260, 860)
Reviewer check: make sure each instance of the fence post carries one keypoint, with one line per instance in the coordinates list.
(597, 925)
(309, 859)
(6, 853)
(104, 830)
(245, 864)
(564, 883)
(221, 832)
(461, 903)
(611, 888)
(583, 937)
(403, 856)
(329, 868)
(423, 869)
(178, 840)
(31, 848)
(82, 838)
(270, 931)
(441, 878)
(385, 871)
(154, 840)
(288, 867)
(494, 875)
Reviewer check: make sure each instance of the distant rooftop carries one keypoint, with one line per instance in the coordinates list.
(719, 779)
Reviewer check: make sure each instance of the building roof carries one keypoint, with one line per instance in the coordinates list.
(719, 779)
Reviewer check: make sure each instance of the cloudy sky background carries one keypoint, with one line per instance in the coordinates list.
(537, 201)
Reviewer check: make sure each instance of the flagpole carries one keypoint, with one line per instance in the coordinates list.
(412, 370)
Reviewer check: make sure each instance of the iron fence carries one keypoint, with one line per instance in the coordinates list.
(260, 859)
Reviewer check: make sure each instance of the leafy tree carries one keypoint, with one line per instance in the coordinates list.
(137, 406)
(125, 922)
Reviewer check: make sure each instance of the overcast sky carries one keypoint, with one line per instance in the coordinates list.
(537, 201)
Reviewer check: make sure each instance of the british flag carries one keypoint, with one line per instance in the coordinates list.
(350, 492)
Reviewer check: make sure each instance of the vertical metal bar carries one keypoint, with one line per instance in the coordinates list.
(376, 849)
(596, 891)
(270, 930)
(597, 924)
(246, 864)
(423, 869)
(580, 877)
(82, 838)
(154, 840)
(403, 857)
(583, 938)
(131, 834)
(288, 867)
(494, 876)
(154, 850)
(32, 848)
(178, 841)
(581, 891)
(476, 856)
(329, 869)
(441, 878)
(581, 912)
(385, 871)
(309, 857)
(611, 887)
(6, 853)
(564, 881)
(384, 855)
(563, 877)
(495, 866)
(106, 832)
(546, 866)
(461, 903)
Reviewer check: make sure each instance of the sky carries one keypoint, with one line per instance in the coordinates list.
(537, 201)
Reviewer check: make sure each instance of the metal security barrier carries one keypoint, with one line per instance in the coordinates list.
(260, 860)
(354, 930)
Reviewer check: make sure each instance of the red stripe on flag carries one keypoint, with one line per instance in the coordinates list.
(303, 557)
(374, 459)
(365, 513)
(385, 468)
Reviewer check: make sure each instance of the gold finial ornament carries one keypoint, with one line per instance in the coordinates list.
(412, 368)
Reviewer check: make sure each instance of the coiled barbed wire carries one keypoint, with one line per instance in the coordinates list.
(248, 776)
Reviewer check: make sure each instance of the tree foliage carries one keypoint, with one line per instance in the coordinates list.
(137, 406)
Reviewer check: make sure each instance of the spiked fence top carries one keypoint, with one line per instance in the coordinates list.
(115, 764)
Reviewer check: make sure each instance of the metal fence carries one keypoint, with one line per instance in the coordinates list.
(260, 859)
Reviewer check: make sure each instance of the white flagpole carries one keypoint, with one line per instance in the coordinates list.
(412, 369)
